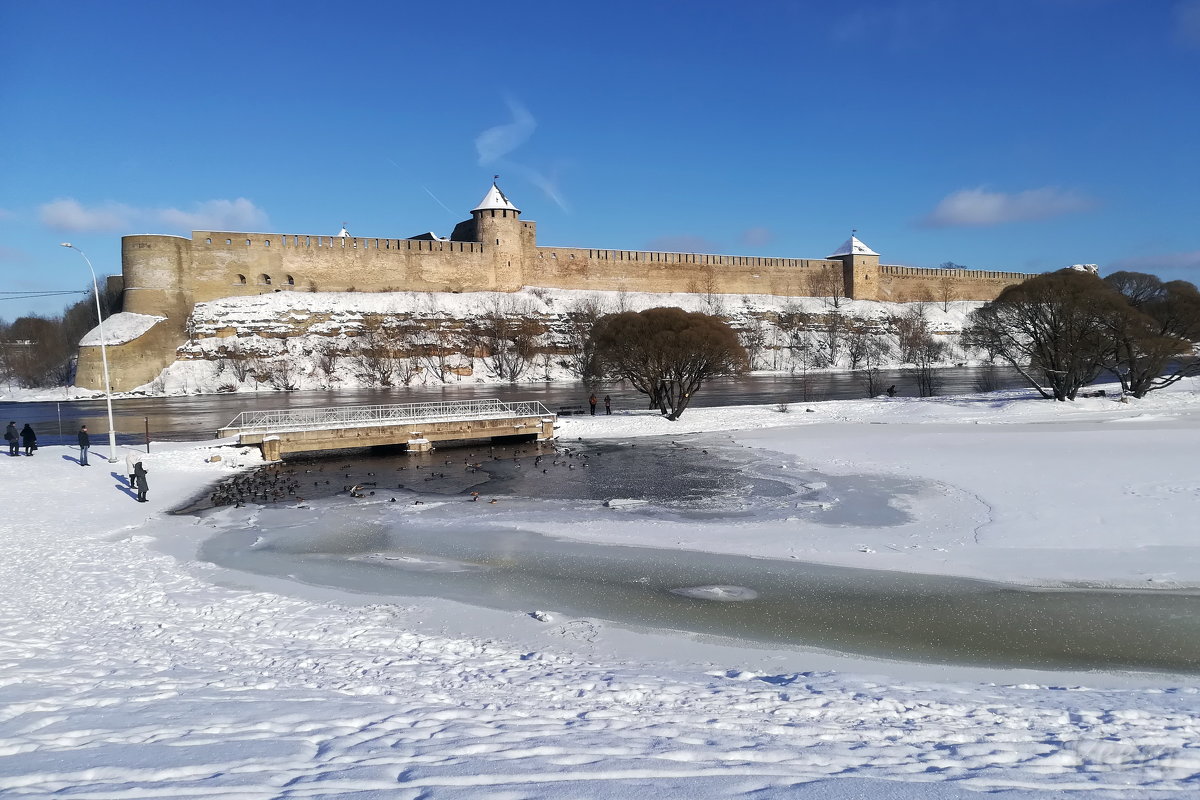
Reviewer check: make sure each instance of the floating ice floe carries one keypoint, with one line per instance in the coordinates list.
(725, 594)
(624, 502)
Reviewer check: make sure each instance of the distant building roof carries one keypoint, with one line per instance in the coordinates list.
(430, 236)
(345, 234)
(852, 247)
(495, 200)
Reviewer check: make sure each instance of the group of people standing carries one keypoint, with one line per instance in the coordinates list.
(27, 438)
(607, 404)
(16, 439)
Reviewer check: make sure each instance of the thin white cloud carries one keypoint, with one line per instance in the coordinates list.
(69, 215)
(685, 243)
(980, 207)
(1186, 19)
(497, 142)
(757, 237)
(217, 215)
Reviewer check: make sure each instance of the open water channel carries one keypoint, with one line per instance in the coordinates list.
(435, 540)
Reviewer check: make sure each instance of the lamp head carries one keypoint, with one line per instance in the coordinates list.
(65, 244)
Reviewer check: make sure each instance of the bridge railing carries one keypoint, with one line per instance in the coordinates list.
(297, 419)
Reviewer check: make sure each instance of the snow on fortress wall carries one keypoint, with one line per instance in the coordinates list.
(166, 276)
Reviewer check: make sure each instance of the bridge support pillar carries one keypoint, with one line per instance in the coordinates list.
(270, 449)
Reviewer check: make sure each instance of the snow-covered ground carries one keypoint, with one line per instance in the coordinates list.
(128, 669)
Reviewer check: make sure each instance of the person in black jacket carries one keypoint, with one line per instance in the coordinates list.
(139, 477)
(85, 442)
(29, 439)
(13, 438)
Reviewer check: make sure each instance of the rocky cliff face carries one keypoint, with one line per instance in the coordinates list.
(310, 340)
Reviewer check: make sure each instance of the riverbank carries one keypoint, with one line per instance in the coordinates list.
(130, 672)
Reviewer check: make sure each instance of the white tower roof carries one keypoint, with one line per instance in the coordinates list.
(852, 247)
(495, 200)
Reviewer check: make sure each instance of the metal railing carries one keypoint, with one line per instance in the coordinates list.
(300, 419)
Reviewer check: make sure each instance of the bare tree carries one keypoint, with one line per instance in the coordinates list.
(505, 337)
(912, 331)
(326, 358)
(579, 357)
(945, 291)
(829, 284)
(436, 348)
(925, 363)
(1154, 338)
(830, 331)
(1051, 328)
(668, 353)
(753, 338)
(378, 352)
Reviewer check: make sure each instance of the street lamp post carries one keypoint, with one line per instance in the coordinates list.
(112, 429)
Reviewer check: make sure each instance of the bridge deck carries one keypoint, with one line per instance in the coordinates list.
(411, 424)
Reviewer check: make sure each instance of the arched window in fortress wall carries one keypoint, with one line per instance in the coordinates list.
(264, 279)
(241, 279)
(291, 281)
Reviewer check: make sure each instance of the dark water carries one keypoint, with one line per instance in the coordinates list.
(199, 416)
(494, 555)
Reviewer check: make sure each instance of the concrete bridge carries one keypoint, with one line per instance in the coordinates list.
(414, 425)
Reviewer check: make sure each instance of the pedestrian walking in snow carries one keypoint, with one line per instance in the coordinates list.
(85, 442)
(132, 459)
(607, 404)
(29, 439)
(140, 482)
(592, 403)
(891, 390)
(13, 438)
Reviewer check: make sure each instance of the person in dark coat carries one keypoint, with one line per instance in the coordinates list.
(139, 479)
(891, 391)
(607, 404)
(85, 442)
(29, 439)
(13, 438)
(592, 403)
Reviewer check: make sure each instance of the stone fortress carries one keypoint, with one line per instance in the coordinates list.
(494, 251)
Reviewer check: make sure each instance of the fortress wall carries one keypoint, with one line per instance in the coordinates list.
(914, 284)
(648, 271)
(134, 363)
(221, 261)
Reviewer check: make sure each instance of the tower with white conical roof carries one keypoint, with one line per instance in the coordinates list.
(498, 227)
(860, 268)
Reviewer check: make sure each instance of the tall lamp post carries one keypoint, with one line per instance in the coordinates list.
(112, 429)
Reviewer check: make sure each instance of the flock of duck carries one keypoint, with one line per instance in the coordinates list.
(284, 482)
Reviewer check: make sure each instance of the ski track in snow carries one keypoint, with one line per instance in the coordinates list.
(125, 673)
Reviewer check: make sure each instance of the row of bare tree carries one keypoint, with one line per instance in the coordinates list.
(39, 350)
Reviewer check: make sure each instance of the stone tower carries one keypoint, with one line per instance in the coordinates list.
(860, 269)
(498, 227)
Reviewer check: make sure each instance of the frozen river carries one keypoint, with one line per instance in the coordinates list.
(434, 540)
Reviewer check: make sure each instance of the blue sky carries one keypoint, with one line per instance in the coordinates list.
(1000, 134)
